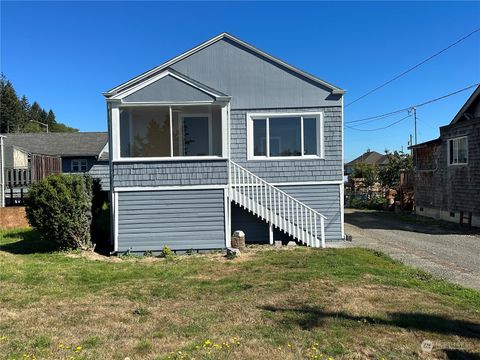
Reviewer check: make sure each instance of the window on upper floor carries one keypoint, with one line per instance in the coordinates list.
(279, 136)
(78, 165)
(458, 151)
(170, 131)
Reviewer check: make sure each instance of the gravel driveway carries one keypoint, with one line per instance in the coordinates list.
(444, 251)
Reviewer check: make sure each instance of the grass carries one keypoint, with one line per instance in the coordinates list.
(267, 304)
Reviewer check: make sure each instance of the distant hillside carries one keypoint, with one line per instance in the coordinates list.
(18, 116)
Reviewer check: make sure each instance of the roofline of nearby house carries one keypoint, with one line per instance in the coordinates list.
(224, 35)
(425, 144)
(465, 106)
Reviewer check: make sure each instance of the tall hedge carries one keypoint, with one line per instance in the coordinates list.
(60, 208)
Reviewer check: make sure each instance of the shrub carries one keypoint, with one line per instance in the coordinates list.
(60, 208)
(166, 251)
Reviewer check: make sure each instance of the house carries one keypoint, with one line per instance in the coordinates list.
(369, 157)
(225, 137)
(78, 152)
(447, 169)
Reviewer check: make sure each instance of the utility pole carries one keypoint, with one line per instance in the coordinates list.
(415, 122)
(41, 123)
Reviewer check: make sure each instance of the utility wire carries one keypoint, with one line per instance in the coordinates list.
(413, 67)
(380, 128)
(386, 115)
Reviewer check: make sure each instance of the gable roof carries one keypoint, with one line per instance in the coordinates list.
(465, 106)
(169, 81)
(370, 158)
(62, 144)
(334, 89)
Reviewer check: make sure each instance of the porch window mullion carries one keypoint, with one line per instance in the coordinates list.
(267, 152)
(171, 131)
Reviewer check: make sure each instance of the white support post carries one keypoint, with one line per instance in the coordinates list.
(228, 233)
(322, 224)
(270, 233)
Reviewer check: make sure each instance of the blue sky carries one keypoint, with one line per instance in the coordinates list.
(65, 54)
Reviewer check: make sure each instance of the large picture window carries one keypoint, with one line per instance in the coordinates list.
(292, 135)
(458, 151)
(170, 131)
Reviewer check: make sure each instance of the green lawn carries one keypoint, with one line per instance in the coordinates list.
(268, 304)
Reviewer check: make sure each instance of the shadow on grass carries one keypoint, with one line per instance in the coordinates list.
(311, 317)
(30, 243)
(457, 354)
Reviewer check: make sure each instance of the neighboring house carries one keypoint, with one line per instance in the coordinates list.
(80, 152)
(369, 158)
(447, 169)
(2, 172)
(225, 137)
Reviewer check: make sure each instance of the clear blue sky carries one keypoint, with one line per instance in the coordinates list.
(65, 54)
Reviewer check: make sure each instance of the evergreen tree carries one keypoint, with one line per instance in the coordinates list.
(10, 109)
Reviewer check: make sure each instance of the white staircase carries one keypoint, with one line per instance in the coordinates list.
(276, 206)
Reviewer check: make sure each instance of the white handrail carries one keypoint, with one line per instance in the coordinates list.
(275, 206)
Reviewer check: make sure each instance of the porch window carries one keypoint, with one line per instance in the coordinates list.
(170, 131)
(458, 151)
(286, 136)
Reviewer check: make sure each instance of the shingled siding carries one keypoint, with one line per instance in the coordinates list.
(179, 219)
(278, 171)
(101, 171)
(170, 173)
(452, 188)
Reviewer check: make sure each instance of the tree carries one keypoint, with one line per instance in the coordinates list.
(16, 114)
(10, 108)
(389, 174)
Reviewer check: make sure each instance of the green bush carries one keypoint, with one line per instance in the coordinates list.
(60, 208)
(166, 252)
(375, 203)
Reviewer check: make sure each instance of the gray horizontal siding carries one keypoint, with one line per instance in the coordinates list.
(252, 80)
(278, 171)
(323, 198)
(101, 171)
(171, 173)
(168, 89)
(179, 219)
(326, 200)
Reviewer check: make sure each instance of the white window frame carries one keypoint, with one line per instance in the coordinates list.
(451, 141)
(80, 163)
(251, 117)
(182, 116)
(115, 124)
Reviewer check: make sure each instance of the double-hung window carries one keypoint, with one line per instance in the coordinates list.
(79, 165)
(277, 136)
(458, 151)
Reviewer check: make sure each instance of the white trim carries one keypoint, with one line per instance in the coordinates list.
(251, 116)
(171, 187)
(227, 219)
(342, 185)
(115, 125)
(122, 94)
(332, 182)
(115, 216)
(118, 89)
(270, 233)
(181, 127)
(164, 103)
(225, 130)
(448, 151)
(170, 158)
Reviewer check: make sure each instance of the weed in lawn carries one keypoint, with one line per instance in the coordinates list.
(143, 346)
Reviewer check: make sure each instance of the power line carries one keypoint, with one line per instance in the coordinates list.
(389, 114)
(380, 128)
(413, 67)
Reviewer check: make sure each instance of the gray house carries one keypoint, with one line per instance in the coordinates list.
(225, 137)
(447, 169)
(80, 152)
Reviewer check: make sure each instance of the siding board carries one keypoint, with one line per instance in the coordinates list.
(180, 219)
